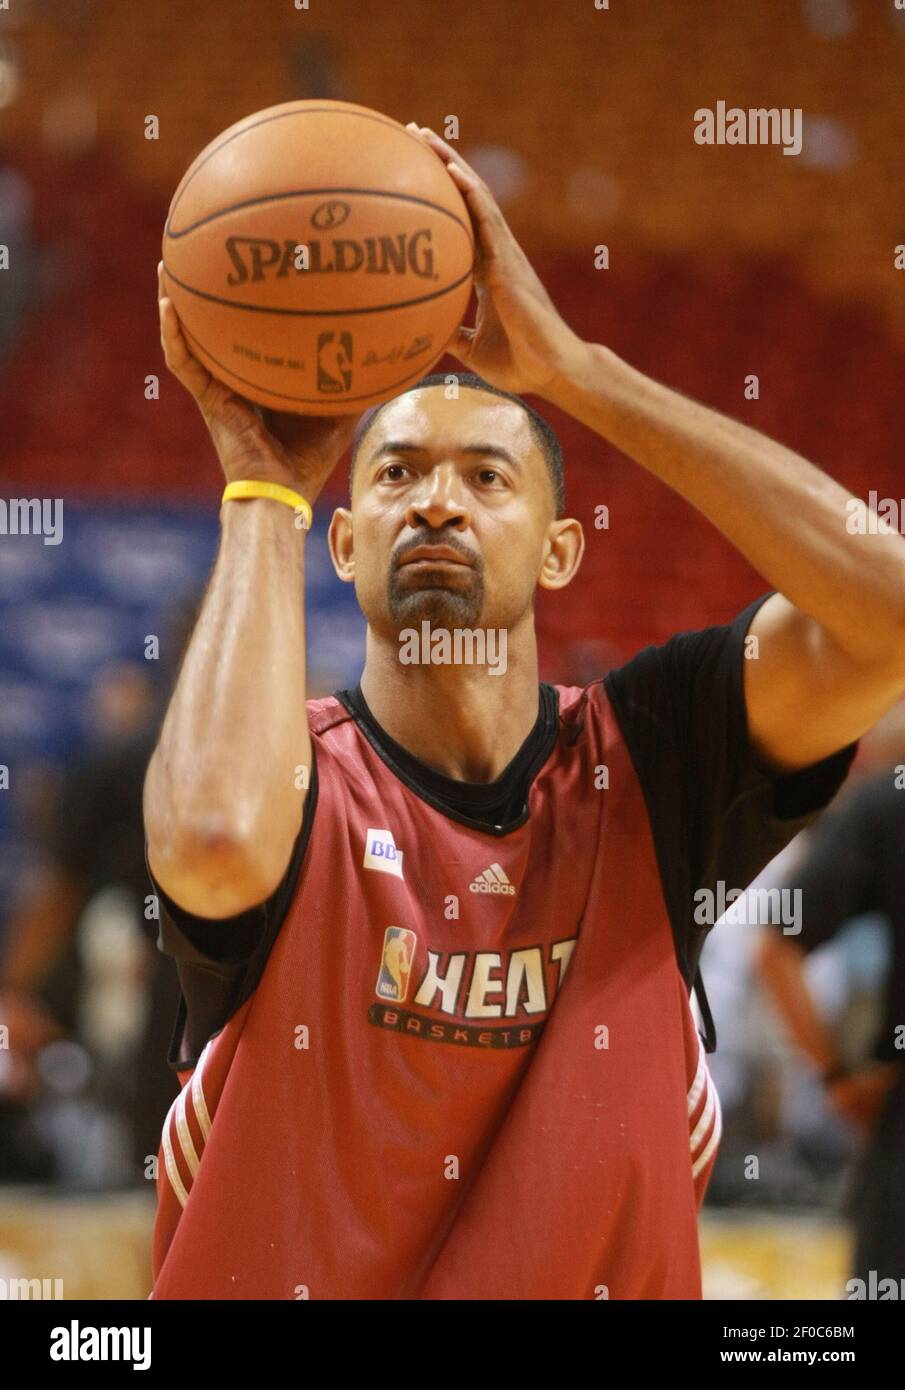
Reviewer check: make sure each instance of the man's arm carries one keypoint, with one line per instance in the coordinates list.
(780, 963)
(837, 879)
(40, 927)
(223, 800)
(832, 640)
(831, 643)
(857, 1094)
(221, 804)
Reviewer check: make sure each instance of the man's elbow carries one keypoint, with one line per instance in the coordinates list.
(209, 868)
(212, 857)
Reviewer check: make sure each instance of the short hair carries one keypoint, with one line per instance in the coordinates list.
(544, 435)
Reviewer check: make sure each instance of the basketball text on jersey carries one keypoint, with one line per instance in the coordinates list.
(472, 985)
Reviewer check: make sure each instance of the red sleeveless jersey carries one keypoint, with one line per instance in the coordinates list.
(469, 1069)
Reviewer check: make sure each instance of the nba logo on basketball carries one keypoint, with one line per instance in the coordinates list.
(396, 966)
(334, 361)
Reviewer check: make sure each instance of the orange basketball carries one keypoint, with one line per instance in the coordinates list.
(319, 257)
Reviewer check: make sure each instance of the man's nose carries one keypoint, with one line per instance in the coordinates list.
(439, 501)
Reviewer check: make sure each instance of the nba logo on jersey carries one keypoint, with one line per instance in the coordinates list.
(381, 853)
(396, 966)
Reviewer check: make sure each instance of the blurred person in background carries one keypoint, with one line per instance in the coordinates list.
(15, 233)
(94, 841)
(771, 1106)
(854, 863)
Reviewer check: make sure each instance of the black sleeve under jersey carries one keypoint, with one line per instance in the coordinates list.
(842, 873)
(221, 960)
(715, 814)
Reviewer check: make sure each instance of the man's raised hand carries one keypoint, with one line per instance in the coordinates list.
(297, 451)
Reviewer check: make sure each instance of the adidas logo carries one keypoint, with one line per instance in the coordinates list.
(492, 880)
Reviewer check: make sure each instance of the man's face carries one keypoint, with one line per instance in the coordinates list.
(451, 501)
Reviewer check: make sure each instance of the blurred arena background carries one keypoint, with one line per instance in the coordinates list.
(723, 262)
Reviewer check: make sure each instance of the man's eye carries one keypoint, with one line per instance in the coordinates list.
(489, 475)
(394, 472)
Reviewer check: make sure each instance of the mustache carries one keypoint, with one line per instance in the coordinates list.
(434, 538)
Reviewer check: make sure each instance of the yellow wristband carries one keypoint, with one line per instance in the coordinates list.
(251, 487)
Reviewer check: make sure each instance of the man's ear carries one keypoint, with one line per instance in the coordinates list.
(563, 549)
(342, 550)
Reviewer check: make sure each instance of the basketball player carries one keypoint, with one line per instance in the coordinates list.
(855, 863)
(524, 1111)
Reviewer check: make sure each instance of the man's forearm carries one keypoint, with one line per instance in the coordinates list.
(223, 803)
(40, 926)
(786, 516)
(780, 965)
